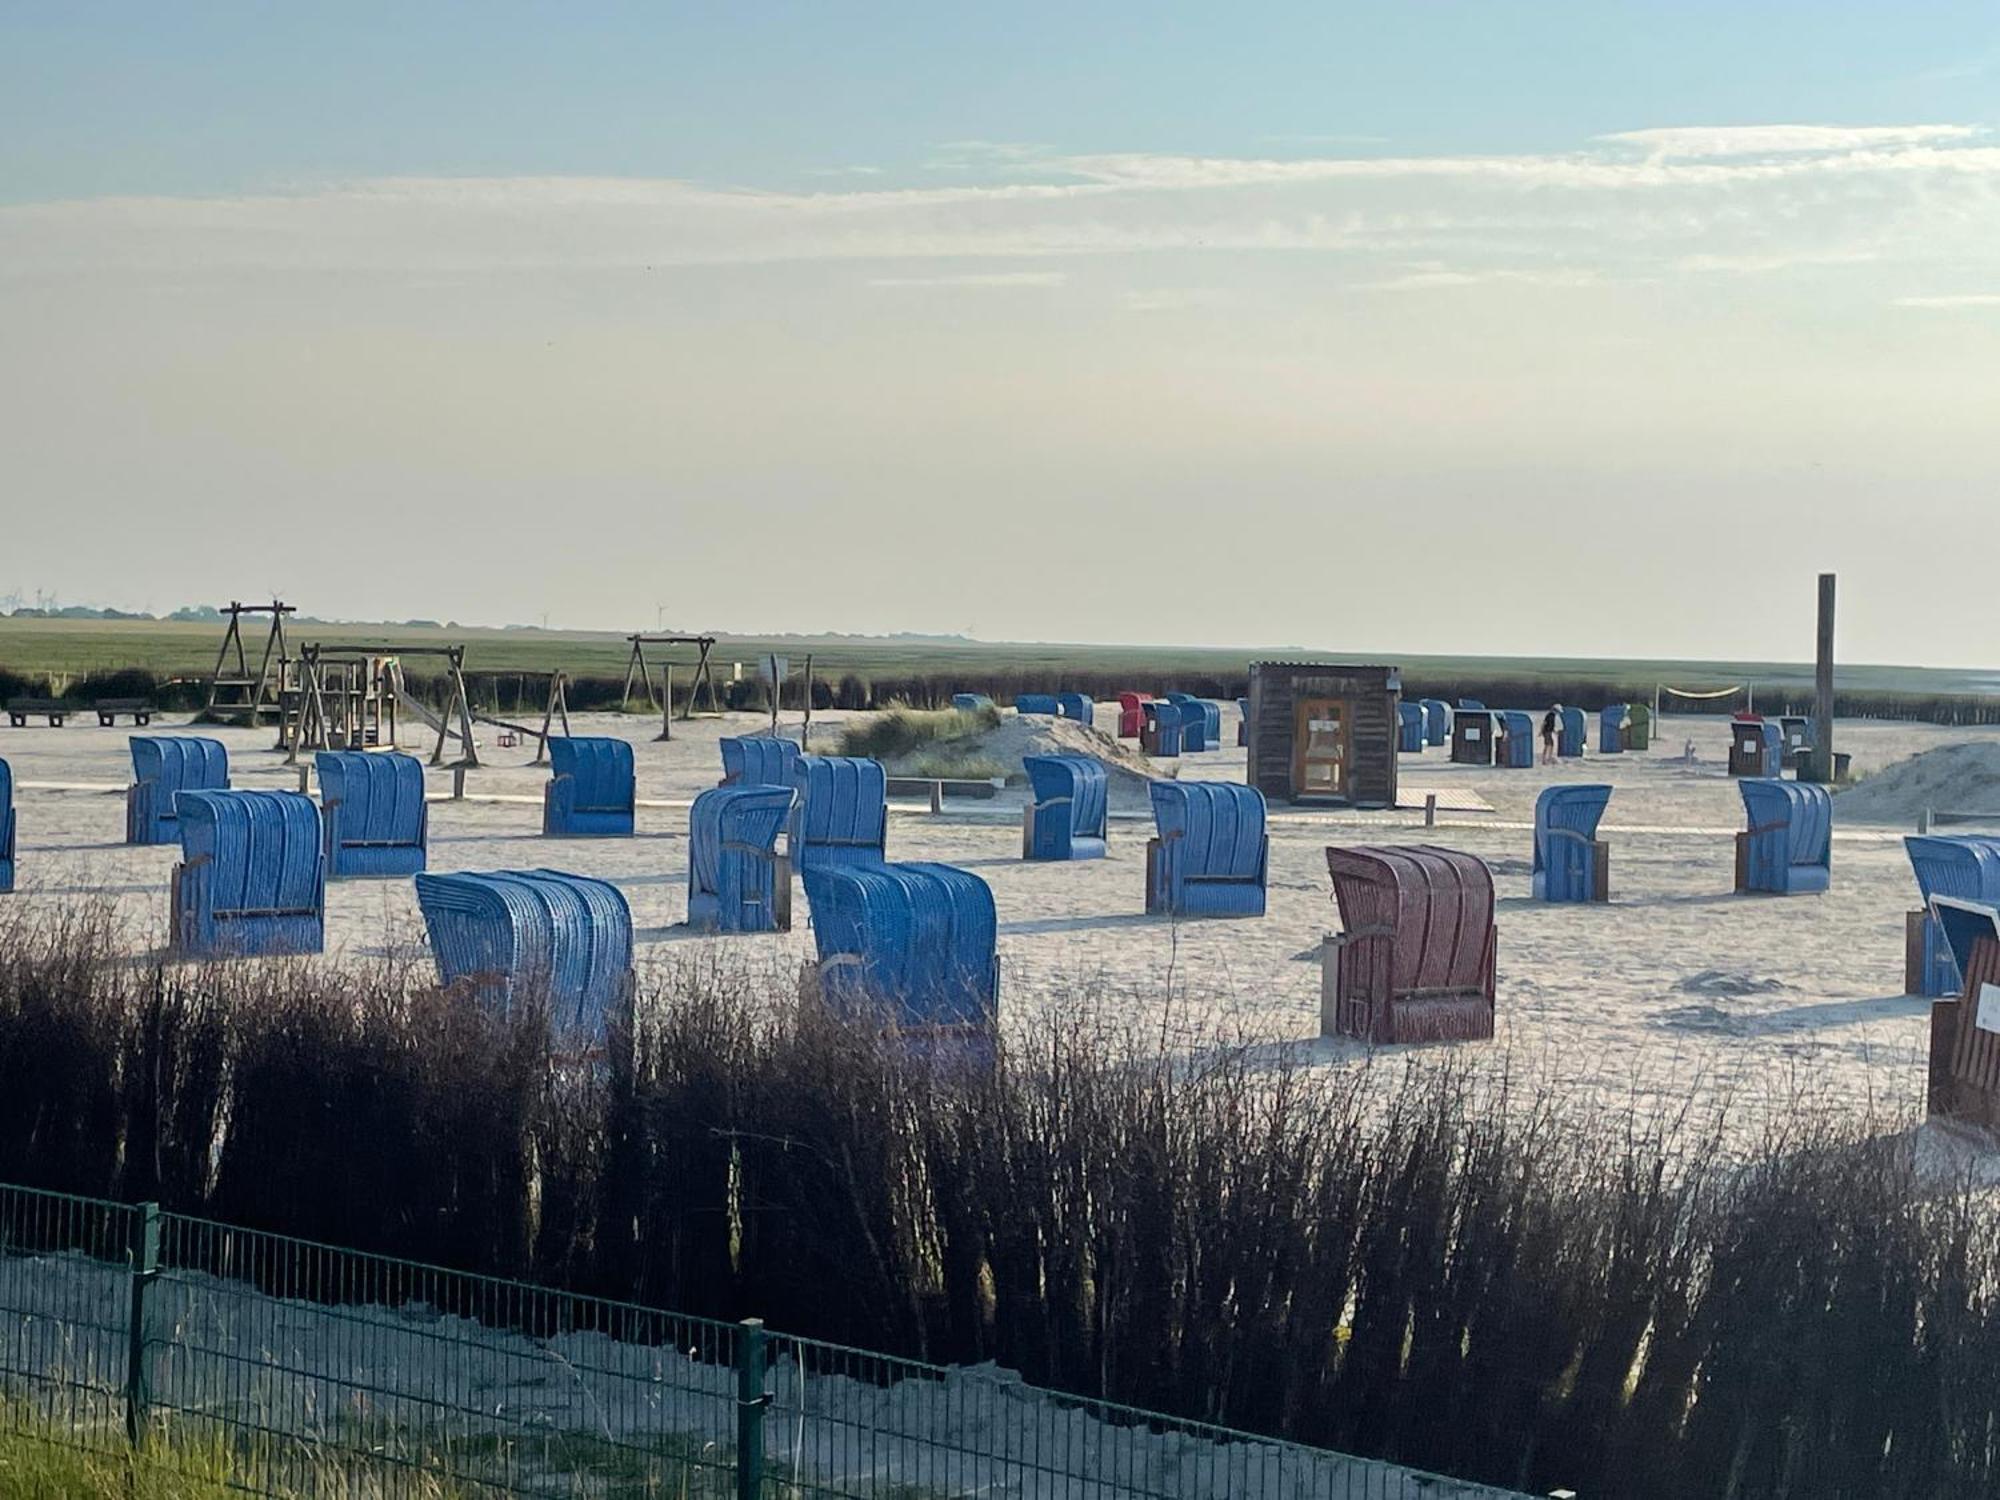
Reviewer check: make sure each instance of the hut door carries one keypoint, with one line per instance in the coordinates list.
(1319, 763)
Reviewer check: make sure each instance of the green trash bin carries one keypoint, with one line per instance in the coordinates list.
(1639, 728)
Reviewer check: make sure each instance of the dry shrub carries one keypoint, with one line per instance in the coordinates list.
(1466, 1272)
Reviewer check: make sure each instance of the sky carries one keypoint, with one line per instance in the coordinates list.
(1570, 329)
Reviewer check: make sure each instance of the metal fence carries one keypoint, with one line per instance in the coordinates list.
(300, 1368)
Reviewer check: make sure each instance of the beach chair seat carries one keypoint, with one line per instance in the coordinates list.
(1409, 728)
(1964, 866)
(1639, 727)
(841, 814)
(372, 805)
(1964, 1082)
(1571, 863)
(514, 937)
(737, 881)
(1414, 959)
(592, 790)
(163, 766)
(1788, 848)
(252, 876)
(1131, 715)
(1514, 739)
(1756, 747)
(1067, 817)
(1210, 855)
(1038, 704)
(1572, 733)
(1437, 721)
(912, 947)
(1194, 723)
(1471, 737)
(1611, 729)
(1161, 735)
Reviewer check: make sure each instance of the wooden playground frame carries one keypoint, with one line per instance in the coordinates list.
(339, 699)
(637, 669)
(241, 692)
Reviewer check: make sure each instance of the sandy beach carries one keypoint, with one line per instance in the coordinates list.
(1677, 989)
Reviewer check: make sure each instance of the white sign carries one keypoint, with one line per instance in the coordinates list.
(1987, 1017)
(1473, 732)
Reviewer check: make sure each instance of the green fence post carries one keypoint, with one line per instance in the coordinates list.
(751, 1399)
(145, 1258)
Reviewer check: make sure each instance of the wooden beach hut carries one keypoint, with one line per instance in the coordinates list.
(1324, 733)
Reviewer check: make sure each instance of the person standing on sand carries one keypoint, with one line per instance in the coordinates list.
(1549, 735)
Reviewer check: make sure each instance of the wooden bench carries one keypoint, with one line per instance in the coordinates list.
(20, 710)
(937, 788)
(108, 710)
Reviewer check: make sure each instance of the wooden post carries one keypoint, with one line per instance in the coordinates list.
(667, 701)
(805, 728)
(458, 783)
(1430, 809)
(1822, 755)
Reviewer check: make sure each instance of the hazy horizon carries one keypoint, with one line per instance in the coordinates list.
(1489, 330)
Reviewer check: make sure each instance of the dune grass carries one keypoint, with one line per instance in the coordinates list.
(904, 731)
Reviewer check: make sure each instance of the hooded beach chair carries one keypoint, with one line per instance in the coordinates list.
(912, 947)
(1409, 728)
(1414, 959)
(1572, 733)
(252, 875)
(1788, 848)
(1514, 739)
(1963, 866)
(372, 806)
(1571, 864)
(1161, 735)
(841, 816)
(512, 937)
(1067, 817)
(1196, 734)
(1611, 729)
(1210, 855)
(1131, 715)
(737, 881)
(163, 766)
(758, 760)
(592, 789)
(1437, 721)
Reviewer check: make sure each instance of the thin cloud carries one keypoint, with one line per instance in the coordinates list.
(1782, 140)
(1432, 278)
(985, 279)
(1904, 195)
(1957, 299)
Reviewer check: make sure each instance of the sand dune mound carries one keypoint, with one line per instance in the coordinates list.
(1005, 746)
(1952, 778)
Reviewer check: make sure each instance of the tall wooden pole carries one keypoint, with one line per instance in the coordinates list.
(1822, 756)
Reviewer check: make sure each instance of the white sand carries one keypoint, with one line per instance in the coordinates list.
(1675, 988)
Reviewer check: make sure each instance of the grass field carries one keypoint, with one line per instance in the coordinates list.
(55, 649)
